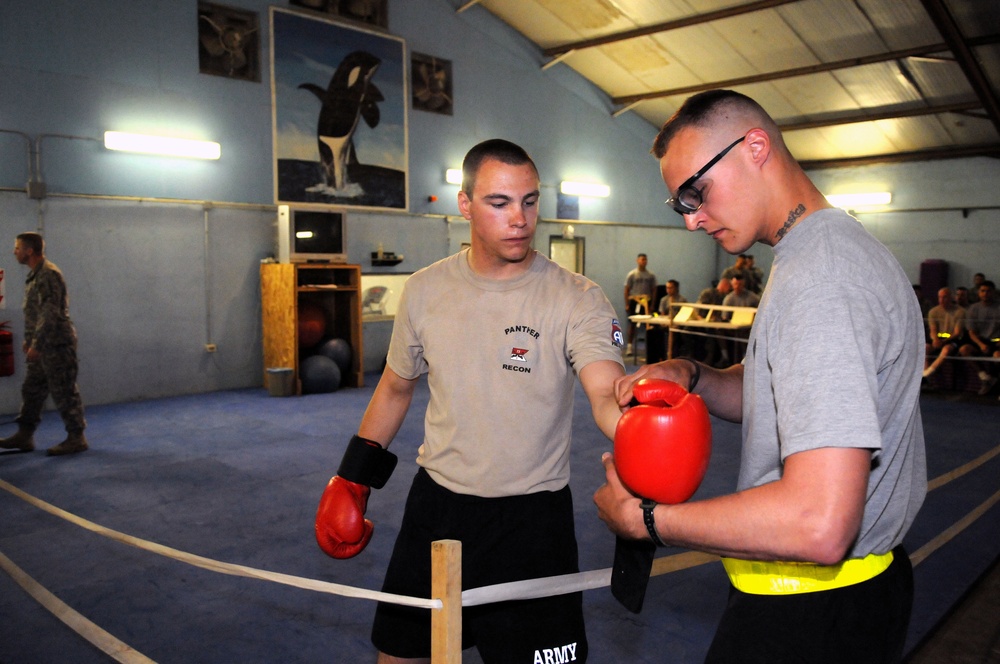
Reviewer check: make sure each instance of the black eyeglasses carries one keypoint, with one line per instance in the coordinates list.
(689, 199)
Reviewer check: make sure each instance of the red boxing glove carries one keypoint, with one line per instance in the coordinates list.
(662, 446)
(342, 530)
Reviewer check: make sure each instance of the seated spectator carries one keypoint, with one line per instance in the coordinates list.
(673, 296)
(946, 322)
(962, 297)
(740, 297)
(982, 322)
(708, 349)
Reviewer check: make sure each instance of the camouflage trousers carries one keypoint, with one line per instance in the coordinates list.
(53, 373)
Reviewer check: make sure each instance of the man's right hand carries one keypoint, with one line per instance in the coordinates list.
(341, 529)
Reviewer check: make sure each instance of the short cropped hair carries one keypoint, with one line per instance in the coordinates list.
(494, 148)
(706, 108)
(32, 241)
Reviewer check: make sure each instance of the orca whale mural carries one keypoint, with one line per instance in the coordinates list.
(340, 101)
(349, 97)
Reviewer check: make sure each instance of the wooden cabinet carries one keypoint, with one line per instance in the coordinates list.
(286, 288)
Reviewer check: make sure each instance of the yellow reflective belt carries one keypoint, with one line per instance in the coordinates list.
(777, 578)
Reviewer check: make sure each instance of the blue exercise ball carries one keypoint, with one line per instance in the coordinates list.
(319, 374)
(338, 350)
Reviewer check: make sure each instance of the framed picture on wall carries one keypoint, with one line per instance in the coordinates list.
(339, 99)
(374, 12)
(228, 42)
(430, 81)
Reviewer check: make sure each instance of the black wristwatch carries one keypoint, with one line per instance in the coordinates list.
(647, 506)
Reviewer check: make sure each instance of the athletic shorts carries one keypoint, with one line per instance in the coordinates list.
(503, 539)
(864, 622)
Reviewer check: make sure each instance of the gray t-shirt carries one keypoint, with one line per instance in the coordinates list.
(834, 360)
(501, 358)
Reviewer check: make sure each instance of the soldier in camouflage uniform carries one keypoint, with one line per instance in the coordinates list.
(50, 349)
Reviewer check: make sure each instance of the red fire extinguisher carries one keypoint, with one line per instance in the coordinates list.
(6, 350)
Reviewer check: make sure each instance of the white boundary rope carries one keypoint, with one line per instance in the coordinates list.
(218, 566)
(528, 589)
(104, 641)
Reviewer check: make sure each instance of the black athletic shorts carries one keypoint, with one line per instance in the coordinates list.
(865, 622)
(503, 539)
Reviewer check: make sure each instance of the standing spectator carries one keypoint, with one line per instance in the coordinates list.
(946, 322)
(737, 268)
(640, 291)
(982, 322)
(833, 468)
(50, 350)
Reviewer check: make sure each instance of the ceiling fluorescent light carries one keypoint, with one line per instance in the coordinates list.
(584, 189)
(860, 200)
(162, 145)
(453, 176)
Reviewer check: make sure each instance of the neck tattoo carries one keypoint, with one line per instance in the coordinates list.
(793, 216)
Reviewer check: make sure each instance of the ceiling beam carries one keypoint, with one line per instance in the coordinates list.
(879, 114)
(876, 58)
(644, 31)
(471, 3)
(959, 46)
(956, 152)
(784, 73)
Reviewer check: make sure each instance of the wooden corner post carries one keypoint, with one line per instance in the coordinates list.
(446, 585)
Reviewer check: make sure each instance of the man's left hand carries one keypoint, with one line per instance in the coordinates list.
(618, 507)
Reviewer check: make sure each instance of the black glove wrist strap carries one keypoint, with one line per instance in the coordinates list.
(695, 375)
(366, 462)
(647, 506)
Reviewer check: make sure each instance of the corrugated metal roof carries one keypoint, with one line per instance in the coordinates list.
(851, 80)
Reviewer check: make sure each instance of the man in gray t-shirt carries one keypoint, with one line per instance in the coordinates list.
(833, 467)
(982, 321)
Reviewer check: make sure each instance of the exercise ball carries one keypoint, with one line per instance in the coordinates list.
(319, 374)
(312, 324)
(339, 351)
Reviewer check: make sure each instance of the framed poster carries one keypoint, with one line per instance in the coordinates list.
(339, 97)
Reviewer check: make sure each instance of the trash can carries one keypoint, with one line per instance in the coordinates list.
(281, 381)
